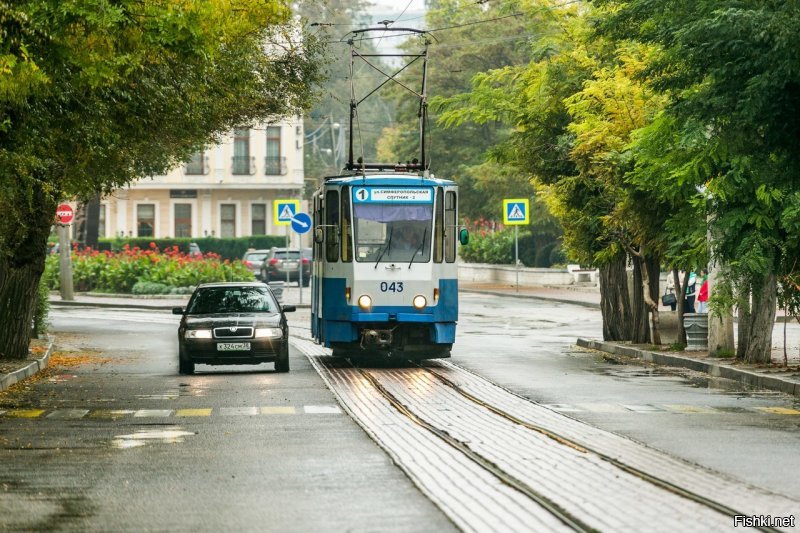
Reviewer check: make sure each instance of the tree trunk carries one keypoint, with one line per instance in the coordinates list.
(21, 267)
(744, 321)
(641, 326)
(614, 300)
(762, 320)
(650, 285)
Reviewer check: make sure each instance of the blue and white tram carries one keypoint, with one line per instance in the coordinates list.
(385, 278)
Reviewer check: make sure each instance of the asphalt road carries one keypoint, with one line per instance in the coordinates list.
(122, 442)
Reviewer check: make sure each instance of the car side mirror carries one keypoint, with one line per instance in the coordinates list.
(319, 235)
(463, 236)
(289, 308)
(177, 310)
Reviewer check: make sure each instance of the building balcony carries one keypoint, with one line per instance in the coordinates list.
(243, 165)
(275, 166)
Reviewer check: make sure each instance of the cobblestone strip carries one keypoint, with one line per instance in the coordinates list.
(712, 485)
(593, 490)
(471, 497)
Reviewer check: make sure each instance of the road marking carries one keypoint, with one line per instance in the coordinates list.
(24, 413)
(779, 410)
(112, 414)
(152, 413)
(322, 409)
(193, 412)
(67, 414)
(689, 409)
(282, 410)
(602, 407)
(643, 408)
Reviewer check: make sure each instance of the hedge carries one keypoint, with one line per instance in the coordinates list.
(227, 248)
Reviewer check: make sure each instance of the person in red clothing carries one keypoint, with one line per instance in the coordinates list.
(702, 296)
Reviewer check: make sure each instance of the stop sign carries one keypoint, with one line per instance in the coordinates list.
(64, 214)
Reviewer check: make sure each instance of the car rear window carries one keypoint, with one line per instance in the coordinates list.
(287, 255)
(255, 257)
(232, 300)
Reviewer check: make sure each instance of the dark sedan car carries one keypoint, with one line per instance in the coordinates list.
(233, 324)
(282, 264)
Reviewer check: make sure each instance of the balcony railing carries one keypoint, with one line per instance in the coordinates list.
(197, 165)
(275, 166)
(244, 165)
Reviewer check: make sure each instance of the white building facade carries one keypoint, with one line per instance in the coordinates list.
(224, 191)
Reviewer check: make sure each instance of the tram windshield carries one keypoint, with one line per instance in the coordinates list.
(389, 233)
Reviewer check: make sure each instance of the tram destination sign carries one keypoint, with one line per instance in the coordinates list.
(384, 195)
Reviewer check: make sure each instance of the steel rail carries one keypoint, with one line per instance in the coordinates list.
(553, 508)
(567, 441)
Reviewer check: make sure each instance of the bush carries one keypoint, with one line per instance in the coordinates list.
(496, 248)
(42, 311)
(558, 256)
(150, 271)
(527, 249)
(543, 255)
(229, 248)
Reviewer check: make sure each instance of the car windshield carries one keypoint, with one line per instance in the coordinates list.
(211, 300)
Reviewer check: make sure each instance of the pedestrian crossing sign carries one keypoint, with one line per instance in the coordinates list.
(283, 211)
(516, 212)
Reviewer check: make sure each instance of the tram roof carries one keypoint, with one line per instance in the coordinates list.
(410, 179)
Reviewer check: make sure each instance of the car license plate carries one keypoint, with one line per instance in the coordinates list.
(290, 266)
(233, 346)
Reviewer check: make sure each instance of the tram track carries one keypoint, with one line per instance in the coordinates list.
(585, 487)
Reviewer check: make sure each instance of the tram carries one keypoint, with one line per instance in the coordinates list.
(385, 273)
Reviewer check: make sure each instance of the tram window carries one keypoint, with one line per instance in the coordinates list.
(347, 231)
(332, 226)
(438, 228)
(317, 222)
(451, 231)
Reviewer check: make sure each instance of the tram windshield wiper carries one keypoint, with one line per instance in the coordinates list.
(419, 248)
(388, 245)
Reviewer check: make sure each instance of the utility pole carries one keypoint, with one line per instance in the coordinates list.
(65, 263)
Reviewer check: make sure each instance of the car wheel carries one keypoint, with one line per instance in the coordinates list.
(282, 364)
(184, 365)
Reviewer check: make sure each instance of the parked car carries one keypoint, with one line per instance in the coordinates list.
(253, 259)
(281, 262)
(233, 323)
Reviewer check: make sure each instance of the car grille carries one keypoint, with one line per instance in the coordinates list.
(209, 352)
(233, 332)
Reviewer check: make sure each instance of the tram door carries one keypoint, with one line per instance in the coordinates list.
(317, 270)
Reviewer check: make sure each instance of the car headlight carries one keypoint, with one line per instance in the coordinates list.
(364, 302)
(419, 301)
(197, 334)
(268, 332)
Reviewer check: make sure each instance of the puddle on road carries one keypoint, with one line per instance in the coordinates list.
(172, 435)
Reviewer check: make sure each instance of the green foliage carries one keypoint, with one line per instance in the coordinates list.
(42, 313)
(491, 247)
(226, 248)
(145, 271)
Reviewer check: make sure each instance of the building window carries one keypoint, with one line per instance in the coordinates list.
(197, 164)
(227, 220)
(101, 221)
(145, 220)
(258, 215)
(274, 164)
(183, 220)
(242, 164)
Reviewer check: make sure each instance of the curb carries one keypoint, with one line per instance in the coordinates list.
(591, 305)
(746, 377)
(8, 380)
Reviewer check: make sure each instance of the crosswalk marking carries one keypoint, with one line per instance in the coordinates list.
(330, 409)
(279, 410)
(193, 412)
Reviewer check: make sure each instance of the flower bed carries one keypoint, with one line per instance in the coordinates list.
(144, 271)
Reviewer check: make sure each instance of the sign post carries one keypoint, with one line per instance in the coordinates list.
(516, 212)
(301, 223)
(64, 215)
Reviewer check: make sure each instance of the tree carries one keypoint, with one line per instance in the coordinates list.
(96, 94)
(731, 69)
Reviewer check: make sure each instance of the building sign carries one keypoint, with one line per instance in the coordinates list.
(183, 193)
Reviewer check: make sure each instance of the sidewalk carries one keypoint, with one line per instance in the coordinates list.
(773, 378)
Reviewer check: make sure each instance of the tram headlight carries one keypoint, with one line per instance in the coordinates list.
(364, 302)
(419, 301)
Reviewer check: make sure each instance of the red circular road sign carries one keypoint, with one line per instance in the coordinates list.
(64, 214)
